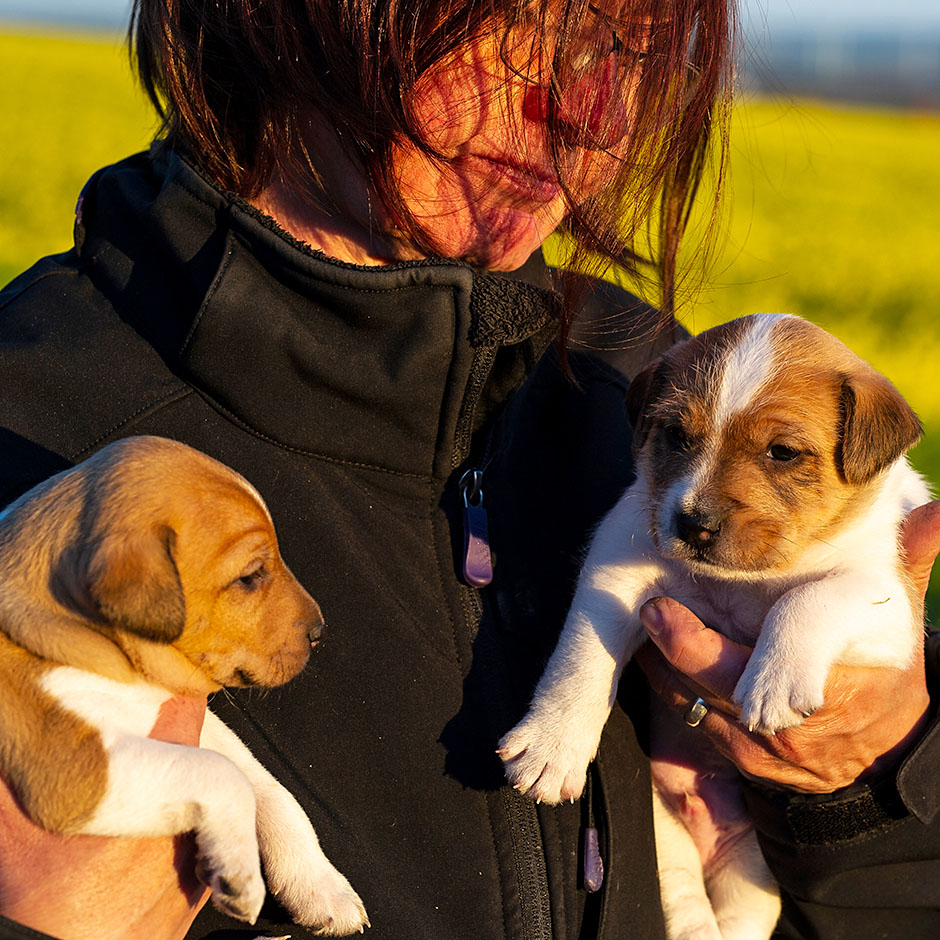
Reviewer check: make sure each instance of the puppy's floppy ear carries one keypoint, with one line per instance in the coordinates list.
(878, 426)
(132, 580)
(643, 390)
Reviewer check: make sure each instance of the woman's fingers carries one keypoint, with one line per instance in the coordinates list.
(180, 720)
(920, 538)
(871, 718)
(709, 662)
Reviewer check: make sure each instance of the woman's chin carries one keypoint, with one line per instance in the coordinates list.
(502, 240)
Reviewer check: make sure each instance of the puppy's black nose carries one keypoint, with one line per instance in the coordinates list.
(697, 529)
(315, 631)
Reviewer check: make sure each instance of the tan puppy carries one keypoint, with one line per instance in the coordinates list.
(148, 571)
(771, 485)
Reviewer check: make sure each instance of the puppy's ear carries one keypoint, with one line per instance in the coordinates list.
(643, 390)
(878, 426)
(132, 580)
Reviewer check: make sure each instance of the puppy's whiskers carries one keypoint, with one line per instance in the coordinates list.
(826, 542)
(224, 692)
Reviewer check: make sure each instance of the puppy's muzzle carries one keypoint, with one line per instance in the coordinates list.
(316, 630)
(699, 530)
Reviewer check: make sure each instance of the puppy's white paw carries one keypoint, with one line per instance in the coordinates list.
(236, 884)
(777, 694)
(545, 760)
(320, 898)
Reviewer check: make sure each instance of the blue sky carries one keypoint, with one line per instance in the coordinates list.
(839, 13)
(796, 13)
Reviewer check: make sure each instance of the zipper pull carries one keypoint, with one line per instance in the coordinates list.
(477, 563)
(592, 861)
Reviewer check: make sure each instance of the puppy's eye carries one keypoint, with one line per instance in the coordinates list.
(252, 580)
(676, 438)
(782, 453)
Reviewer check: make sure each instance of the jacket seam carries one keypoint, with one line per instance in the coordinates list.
(243, 241)
(339, 461)
(179, 393)
(210, 293)
(445, 535)
(185, 389)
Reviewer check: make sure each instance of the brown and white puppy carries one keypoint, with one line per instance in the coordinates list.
(771, 485)
(148, 571)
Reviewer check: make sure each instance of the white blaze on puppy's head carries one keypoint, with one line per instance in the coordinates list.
(759, 439)
(747, 367)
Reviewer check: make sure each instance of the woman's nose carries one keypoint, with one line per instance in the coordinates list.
(592, 110)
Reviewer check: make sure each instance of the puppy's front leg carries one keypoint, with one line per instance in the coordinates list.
(546, 755)
(859, 618)
(156, 789)
(299, 875)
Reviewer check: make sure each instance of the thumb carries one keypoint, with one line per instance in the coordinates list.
(920, 539)
(708, 658)
(180, 719)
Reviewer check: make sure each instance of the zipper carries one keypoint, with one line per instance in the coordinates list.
(519, 812)
(528, 857)
(480, 371)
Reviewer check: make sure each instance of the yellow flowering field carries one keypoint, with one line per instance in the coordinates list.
(831, 212)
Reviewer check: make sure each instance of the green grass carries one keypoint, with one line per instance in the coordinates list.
(832, 209)
(68, 105)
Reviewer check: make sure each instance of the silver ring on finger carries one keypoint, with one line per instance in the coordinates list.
(697, 711)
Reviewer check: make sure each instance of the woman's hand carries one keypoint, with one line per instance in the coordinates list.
(871, 719)
(95, 888)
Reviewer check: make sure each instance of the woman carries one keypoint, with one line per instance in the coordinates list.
(311, 332)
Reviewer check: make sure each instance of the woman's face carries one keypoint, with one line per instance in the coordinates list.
(492, 191)
(496, 195)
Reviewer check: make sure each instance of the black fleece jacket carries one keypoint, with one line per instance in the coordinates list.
(354, 399)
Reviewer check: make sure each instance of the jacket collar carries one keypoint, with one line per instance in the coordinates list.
(386, 367)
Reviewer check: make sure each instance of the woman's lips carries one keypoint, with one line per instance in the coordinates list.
(539, 184)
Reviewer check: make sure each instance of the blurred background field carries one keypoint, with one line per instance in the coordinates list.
(832, 214)
(68, 105)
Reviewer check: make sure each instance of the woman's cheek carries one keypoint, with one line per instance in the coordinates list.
(460, 98)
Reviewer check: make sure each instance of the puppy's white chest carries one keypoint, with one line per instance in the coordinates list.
(736, 609)
(111, 707)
